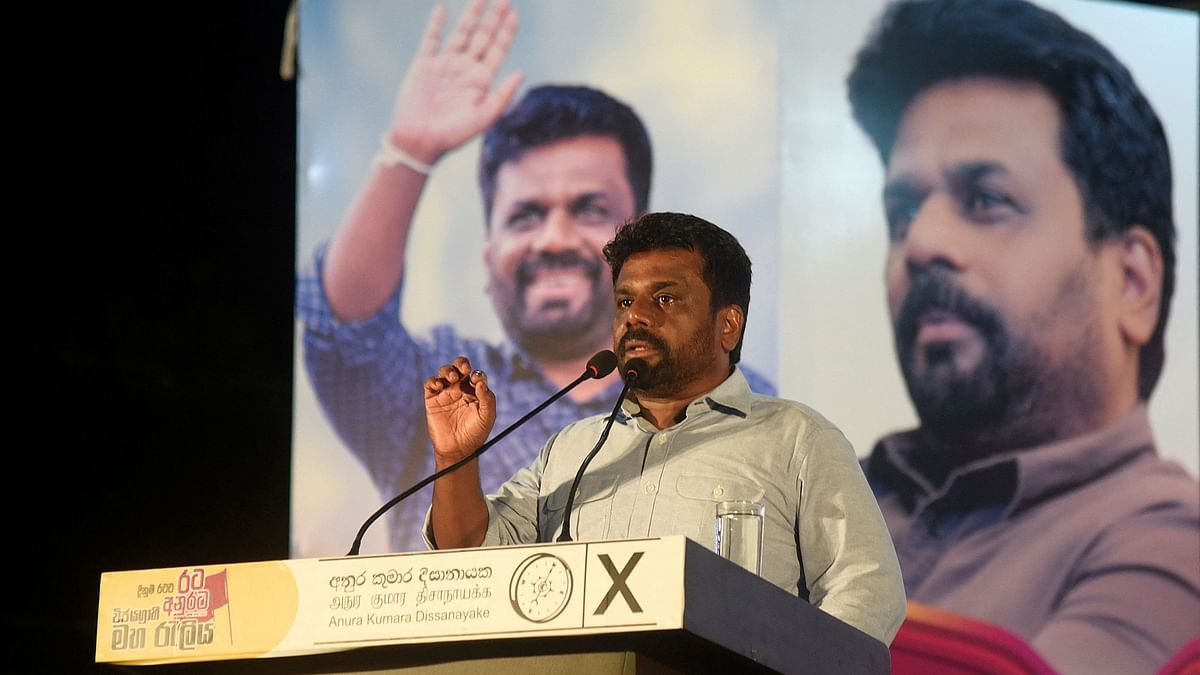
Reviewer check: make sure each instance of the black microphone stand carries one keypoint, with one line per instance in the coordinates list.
(632, 370)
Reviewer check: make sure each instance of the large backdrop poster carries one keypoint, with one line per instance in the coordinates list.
(702, 76)
(746, 109)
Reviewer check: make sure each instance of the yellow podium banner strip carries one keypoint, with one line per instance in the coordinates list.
(308, 606)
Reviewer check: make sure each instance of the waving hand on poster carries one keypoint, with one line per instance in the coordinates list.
(448, 95)
(447, 98)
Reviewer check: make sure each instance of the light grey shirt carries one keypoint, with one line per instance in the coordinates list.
(824, 538)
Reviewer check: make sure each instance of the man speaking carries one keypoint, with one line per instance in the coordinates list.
(690, 434)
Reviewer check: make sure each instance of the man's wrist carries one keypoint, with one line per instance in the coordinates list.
(391, 154)
(441, 461)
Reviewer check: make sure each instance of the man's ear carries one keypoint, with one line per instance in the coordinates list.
(1141, 289)
(733, 322)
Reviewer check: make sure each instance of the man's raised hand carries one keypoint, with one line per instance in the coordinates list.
(447, 96)
(460, 410)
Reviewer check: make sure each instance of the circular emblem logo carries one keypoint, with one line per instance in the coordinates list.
(540, 587)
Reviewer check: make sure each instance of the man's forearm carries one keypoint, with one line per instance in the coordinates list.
(366, 258)
(459, 516)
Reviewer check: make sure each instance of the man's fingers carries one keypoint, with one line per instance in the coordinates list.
(461, 36)
(487, 403)
(452, 373)
(448, 374)
(501, 96)
(495, 51)
(457, 373)
(434, 386)
(432, 39)
(485, 34)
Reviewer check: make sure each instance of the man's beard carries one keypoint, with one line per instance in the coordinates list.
(552, 331)
(952, 400)
(1017, 395)
(674, 370)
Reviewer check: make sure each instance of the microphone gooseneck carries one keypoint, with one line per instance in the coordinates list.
(632, 370)
(600, 365)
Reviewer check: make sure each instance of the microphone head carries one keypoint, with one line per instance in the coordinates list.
(601, 364)
(634, 368)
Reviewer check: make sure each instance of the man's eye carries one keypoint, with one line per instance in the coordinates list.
(592, 213)
(624, 303)
(665, 300)
(985, 205)
(522, 220)
(899, 217)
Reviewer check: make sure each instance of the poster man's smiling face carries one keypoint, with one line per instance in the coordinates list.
(555, 208)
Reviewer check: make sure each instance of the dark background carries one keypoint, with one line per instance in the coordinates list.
(151, 214)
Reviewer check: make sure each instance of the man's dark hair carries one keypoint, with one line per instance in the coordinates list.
(552, 113)
(1111, 140)
(726, 265)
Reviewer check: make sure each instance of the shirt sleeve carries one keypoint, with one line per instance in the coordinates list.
(367, 377)
(849, 562)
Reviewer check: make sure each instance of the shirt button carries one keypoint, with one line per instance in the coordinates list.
(718, 491)
(650, 487)
(662, 440)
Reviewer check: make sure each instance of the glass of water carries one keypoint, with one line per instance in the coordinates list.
(739, 533)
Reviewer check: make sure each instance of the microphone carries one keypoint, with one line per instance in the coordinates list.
(600, 365)
(633, 370)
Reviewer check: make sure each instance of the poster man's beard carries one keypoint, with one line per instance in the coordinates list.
(1016, 395)
(552, 331)
(944, 394)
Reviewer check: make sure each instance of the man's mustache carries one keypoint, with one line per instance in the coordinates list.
(936, 290)
(529, 268)
(642, 335)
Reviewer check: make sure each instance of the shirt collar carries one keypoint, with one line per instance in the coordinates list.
(1040, 472)
(1050, 469)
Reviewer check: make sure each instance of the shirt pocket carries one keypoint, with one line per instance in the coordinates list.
(590, 514)
(699, 495)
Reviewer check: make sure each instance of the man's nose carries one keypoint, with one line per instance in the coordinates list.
(557, 233)
(936, 236)
(641, 312)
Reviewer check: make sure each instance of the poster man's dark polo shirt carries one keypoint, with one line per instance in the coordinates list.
(1089, 548)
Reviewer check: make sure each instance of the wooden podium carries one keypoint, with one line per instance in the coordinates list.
(659, 605)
